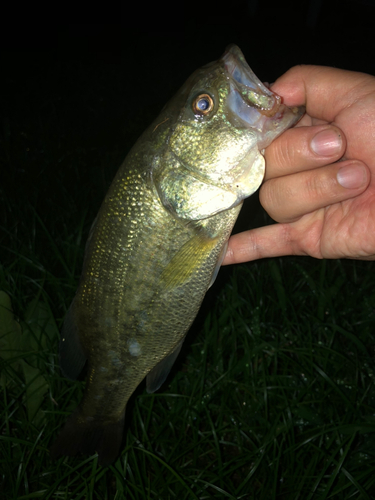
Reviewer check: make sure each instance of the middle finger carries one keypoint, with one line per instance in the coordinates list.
(304, 148)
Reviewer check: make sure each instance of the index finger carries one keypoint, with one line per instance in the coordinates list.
(325, 91)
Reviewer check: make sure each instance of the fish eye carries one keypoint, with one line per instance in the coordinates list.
(203, 104)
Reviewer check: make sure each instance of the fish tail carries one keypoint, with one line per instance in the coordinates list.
(88, 437)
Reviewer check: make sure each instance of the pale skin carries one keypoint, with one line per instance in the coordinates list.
(320, 191)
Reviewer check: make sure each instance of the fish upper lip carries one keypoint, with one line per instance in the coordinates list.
(253, 104)
(252, 90)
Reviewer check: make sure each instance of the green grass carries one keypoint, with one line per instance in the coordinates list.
(273, 396)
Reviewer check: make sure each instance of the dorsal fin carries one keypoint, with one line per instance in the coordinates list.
(72, 356)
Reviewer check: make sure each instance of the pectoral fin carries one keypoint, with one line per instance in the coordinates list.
(160, 372)
(188, 259)
(72, 357)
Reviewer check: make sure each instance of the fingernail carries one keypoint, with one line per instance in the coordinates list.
(326, 143)
(352, 176)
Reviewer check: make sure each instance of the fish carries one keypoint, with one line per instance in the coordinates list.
(158, 242)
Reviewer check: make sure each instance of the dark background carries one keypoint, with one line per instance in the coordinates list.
(75, 96)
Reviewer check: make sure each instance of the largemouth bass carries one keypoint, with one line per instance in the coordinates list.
(159, 240)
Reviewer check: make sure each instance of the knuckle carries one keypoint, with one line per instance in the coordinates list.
(320, 185)
(282, 151)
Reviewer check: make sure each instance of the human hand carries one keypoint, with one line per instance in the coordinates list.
(323, 209)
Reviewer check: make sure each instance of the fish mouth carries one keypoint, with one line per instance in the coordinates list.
(252, 104)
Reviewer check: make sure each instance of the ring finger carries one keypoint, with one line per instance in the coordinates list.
(289, 197)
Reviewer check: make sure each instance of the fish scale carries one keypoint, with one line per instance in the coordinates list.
(158, 242)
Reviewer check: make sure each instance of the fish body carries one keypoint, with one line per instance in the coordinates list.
(158, 242)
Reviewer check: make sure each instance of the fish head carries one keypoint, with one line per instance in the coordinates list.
(222, 119)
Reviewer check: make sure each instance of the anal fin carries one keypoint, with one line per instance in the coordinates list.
(160, 372)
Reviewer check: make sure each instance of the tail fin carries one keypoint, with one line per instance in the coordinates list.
(80, 435)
